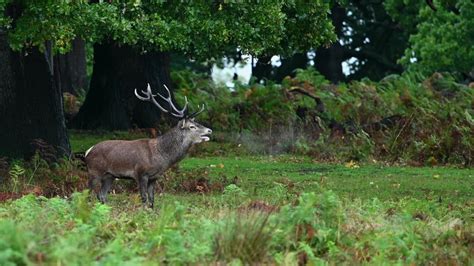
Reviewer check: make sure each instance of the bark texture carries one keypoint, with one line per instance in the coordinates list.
(30, 104)
(329, 60)
(70, 70)
(264, 70)
(118, 70)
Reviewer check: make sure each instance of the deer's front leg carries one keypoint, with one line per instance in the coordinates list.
(143, 185)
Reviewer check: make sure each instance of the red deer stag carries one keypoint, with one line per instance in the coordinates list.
(145, 160)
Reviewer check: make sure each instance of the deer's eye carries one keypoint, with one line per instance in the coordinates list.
(192, 127)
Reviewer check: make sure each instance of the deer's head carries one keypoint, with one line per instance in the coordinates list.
(192, 131)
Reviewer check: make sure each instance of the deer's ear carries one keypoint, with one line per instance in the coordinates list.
(182, 123)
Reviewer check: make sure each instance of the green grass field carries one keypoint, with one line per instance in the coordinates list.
(260, 173)
(279, 210)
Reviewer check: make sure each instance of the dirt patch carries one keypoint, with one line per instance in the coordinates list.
(195, 181)
(5, 196)
(199, 185)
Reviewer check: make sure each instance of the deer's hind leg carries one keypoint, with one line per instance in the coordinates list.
(106, 182)
(94, 178)
(91, 183)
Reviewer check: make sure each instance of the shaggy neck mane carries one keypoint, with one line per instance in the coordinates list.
(173, 145)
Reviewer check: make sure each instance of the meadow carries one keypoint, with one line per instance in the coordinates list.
(243, 208)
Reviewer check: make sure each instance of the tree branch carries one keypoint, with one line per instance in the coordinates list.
(348, 53)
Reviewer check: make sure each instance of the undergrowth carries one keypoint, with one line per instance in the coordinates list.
(245, 210)
(406, 119)
(317, 227)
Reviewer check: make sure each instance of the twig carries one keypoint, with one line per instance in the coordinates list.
(401, 130)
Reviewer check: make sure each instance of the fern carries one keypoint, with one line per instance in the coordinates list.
(16, 171)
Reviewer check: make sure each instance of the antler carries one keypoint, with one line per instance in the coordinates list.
(150, 97)
(196, 113)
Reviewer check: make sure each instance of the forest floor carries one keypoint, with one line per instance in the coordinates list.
(242, 208)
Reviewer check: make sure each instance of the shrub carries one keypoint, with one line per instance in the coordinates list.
(40, 177)
(244, 237)
(13, 244)
(317, 228)
(407, 118)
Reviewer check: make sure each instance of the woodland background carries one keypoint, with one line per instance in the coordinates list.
(355, 146)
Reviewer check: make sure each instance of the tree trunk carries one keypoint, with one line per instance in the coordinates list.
(70, 70)
(110, 102)
(30, 103)
(328, 61)
(263, 68)
(289, 64)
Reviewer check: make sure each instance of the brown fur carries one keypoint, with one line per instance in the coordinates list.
(143, 160)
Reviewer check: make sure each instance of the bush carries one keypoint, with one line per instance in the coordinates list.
(408, 118)
(40, 177)
(244, 237)
(316, 228)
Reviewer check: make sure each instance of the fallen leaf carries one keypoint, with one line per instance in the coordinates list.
(352, 164)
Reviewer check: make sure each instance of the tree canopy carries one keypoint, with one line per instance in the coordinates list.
(196, 28)
(442, 35)
(370, 35)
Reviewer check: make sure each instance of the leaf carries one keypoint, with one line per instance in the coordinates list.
(469, 118)
(351, 164)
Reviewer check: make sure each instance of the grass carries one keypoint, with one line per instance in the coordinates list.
(315, 228)
(259, 174)
(277, 210)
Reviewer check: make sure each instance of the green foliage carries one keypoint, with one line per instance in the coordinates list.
(443, 38)
(244, 237)
(245, 108)
(4, 21)
(405, 13)
(233, 194)
(55, 219)
(204, 30)
(13, 244)
(16, 172)
(407, 118)
(312, 226)
(370, 34)
(37, 176)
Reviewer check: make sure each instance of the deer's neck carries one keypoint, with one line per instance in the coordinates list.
(172, 146)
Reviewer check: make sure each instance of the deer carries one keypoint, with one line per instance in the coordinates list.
(145, 160)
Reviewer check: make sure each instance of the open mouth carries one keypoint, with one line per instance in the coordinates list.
(205, 138)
